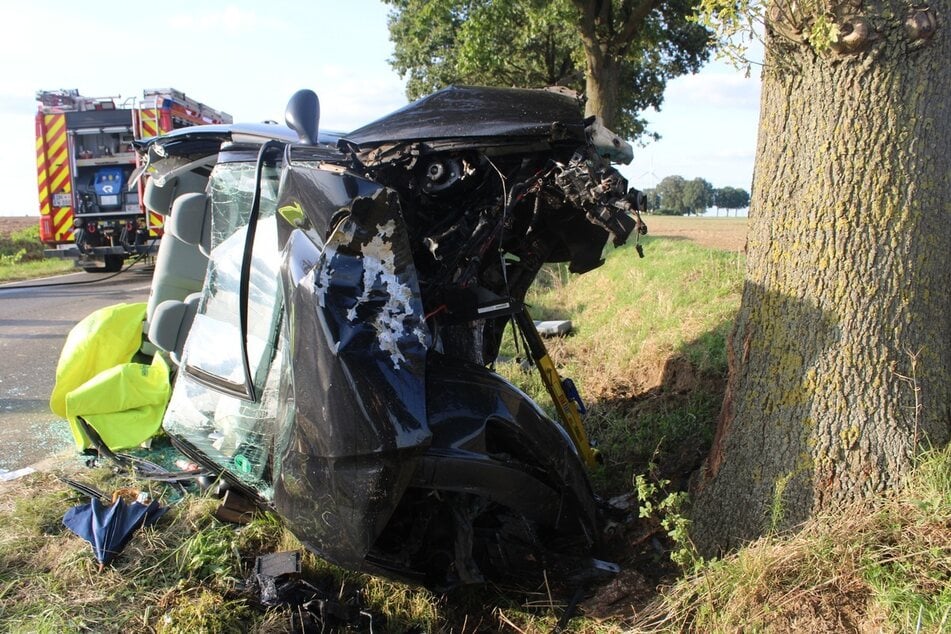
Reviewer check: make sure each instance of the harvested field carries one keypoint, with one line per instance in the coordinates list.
(728, 234)
(724, 233)
(10, 224)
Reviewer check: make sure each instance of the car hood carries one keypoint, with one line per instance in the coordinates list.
(473, 112)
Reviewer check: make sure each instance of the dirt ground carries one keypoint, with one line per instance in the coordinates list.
(724, 233)
(9, 224)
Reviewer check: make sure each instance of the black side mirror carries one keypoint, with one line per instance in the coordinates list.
(303, 115)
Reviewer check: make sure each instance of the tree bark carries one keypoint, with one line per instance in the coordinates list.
(602, 71)
(602, 81)
(840, 359)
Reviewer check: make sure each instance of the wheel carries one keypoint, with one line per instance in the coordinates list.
(113, 263)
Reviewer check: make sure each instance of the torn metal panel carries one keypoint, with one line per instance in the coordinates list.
(358, 346)
(468, 112)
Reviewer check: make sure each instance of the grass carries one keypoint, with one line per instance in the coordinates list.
(36, 269)
(186, 574)
(650, 361)
(882, 565)
(21, 257)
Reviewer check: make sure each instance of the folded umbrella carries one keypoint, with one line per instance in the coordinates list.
(110, 527)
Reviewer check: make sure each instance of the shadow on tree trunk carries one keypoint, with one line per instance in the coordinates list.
(761, 474)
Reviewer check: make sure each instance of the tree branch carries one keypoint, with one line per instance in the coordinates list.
(605, 17)
(564, 77)
(589, 34)
(633, 21)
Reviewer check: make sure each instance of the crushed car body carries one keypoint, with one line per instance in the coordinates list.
(334, 351)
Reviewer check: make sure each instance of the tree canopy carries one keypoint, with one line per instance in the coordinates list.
(731, 198)
(697, 195)
(675, 195)
(619, 52)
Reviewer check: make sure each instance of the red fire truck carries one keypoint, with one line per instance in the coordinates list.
(84, 157)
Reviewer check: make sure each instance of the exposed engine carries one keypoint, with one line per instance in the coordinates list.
(483, 221)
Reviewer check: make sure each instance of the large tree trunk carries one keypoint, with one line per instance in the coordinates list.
(601, 88)
(840, 361)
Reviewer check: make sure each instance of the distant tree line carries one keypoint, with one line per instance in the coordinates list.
(677, 196)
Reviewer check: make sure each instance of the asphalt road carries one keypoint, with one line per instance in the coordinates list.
(34, 323)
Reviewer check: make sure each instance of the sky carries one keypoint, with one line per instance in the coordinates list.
(248, 57)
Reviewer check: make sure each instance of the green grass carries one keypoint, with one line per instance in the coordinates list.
(880, 565)
(631, 311)
(21, 257)
(647, 352)
(183, 575)
(884, 565)
(16, 272)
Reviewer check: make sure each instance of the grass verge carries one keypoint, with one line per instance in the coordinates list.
(17, 272)
(884, 565)
(647, 352)
(21, 257)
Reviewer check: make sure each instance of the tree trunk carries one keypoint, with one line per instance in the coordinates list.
(840, 360)
(601, 88)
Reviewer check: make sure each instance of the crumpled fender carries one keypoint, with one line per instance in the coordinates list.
(357, 357)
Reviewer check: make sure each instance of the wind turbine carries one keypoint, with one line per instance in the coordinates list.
(648, 180)
(650, 172)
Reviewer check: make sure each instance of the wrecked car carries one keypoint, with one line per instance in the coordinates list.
(334, 305)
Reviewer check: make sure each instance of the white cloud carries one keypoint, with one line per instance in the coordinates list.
(734, 154)
(348, 102)
(17, 102)
(717, 90)
(18, 165)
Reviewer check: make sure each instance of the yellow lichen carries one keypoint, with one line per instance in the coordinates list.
(849, 436)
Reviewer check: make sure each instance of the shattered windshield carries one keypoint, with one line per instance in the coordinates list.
(214, 346)
(232, 430)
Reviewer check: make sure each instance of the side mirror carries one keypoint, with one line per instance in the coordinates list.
(303, 115)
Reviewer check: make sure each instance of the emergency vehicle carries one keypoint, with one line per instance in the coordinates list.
(84, 158)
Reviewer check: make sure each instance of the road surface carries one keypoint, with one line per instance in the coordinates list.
(34, 323)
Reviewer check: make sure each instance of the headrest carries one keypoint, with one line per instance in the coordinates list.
(190, 221)
(170, 324)
(159, 199)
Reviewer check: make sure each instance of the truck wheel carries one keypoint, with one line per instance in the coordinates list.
(113, 263)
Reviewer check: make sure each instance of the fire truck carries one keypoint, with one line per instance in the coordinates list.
(84, 158)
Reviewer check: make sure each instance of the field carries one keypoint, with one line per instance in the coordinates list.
(12, 224)
(21, 252)
(728, 234)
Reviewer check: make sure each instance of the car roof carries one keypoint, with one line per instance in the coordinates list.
(252, 133)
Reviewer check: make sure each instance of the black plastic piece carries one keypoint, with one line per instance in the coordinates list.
(303, 115)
